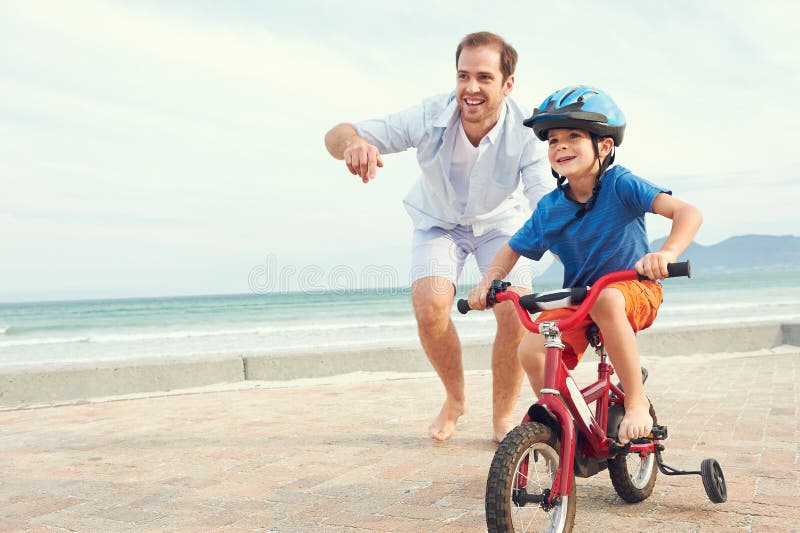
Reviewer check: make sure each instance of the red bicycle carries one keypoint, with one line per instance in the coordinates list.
(531, 483)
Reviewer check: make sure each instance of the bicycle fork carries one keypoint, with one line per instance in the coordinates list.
(552, 400)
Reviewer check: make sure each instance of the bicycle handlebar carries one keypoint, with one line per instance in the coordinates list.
(676, 270)
(463, 307)
(583, 297)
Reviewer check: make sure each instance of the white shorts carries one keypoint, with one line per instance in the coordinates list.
(442, 253)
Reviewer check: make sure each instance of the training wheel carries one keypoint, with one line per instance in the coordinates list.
(713, 480)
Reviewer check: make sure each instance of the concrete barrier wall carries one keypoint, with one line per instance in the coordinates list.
(41, 385)
(373, 359)
(690, 340)
(323, 364)
(52, 384)
(674, 341)
(791, 334)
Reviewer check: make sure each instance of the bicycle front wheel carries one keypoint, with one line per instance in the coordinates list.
(523, 468)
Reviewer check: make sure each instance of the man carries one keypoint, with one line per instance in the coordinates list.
(473, 152)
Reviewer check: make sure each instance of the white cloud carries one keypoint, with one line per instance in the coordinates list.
(151, 134)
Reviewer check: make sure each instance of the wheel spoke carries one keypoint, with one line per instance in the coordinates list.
(538, 478)
(533, 516)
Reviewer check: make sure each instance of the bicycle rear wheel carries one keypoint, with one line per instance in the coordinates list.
(524, 465)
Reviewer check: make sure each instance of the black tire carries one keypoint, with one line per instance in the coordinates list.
(633, 477)
(532, 445)
(713, 480)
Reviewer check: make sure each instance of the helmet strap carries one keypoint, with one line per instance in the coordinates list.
(560, 179)
(603, 166)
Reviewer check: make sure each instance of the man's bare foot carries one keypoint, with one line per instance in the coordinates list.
(501, 429)
(444, 425)
(637, 422)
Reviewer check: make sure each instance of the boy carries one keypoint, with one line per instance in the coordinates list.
(594, 223)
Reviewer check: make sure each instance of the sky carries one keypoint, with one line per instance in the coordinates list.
(169, 148)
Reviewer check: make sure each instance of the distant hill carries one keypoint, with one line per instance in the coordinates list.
(743, 253)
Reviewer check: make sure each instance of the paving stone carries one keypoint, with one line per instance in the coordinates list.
(349, 455)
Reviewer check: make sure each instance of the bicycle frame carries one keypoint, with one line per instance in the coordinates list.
(568, 404)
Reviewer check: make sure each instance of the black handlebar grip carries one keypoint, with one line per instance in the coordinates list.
(675, 270)
(678, 270)
(463, 307)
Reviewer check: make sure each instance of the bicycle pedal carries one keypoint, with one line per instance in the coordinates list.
(658, 433)
(615, 447)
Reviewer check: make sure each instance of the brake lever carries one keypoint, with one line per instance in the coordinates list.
(496, 287)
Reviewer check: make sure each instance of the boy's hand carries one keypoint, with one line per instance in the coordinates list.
(477, 298)
(654, 265)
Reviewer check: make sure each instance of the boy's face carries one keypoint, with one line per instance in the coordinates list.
(571, 152)
(480, 87)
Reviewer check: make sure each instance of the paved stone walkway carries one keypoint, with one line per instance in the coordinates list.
(352, 454)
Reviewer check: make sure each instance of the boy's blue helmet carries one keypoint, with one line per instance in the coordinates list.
(581, 107)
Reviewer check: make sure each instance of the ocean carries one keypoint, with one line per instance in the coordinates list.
(42, 333)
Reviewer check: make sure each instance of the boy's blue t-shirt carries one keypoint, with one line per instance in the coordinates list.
(609, 237)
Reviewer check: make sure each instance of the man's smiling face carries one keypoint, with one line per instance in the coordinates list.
(480, 87)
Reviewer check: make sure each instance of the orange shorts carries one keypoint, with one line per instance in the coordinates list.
(642, 300)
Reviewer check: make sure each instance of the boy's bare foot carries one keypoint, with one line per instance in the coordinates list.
(444, 425)
(637, 422)
(501, 429)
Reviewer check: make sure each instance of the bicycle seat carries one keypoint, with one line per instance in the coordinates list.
(545, 301)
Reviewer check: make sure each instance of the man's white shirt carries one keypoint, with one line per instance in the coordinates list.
(510, 162)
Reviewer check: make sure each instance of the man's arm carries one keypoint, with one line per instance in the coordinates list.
(361, 157)
(686, 220)
(337, 139)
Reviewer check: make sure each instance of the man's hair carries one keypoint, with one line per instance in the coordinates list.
(508, 56)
